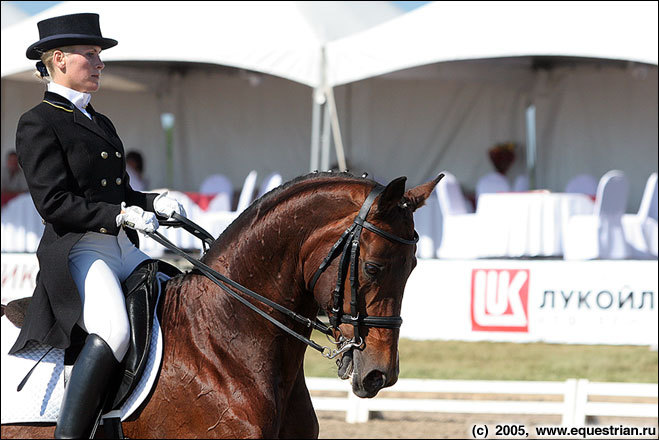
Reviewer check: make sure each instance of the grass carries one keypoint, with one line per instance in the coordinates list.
(511, 361)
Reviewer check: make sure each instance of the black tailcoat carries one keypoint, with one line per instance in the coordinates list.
(76, 172)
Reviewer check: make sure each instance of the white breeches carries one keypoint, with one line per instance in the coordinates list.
(99, 263)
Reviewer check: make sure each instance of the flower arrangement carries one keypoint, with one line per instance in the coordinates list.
(502, 156)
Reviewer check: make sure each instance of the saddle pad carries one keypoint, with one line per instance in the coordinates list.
(41, 397)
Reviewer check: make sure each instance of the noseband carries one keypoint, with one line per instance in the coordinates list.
(348, 244)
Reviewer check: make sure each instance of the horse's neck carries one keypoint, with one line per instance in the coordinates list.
(264, 250)
(262, 254)
(261, 251)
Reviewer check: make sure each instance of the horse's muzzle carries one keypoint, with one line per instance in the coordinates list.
(368, 380)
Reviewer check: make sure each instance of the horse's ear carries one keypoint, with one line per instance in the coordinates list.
(392, 196)
(416, 197)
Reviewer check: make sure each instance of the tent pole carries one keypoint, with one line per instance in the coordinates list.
(320, 97)
(317, 103)
(326, 139)
(336, 130)
(530, 145)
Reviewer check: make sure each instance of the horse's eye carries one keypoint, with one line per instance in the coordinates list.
(372, 269)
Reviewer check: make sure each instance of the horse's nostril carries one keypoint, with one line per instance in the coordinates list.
(374, 381)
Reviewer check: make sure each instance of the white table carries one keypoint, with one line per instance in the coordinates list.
(527, 224)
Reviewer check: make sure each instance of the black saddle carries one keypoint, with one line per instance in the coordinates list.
(141, 291)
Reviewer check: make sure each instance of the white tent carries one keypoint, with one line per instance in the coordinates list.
(278, 38)
(237, 76)
(450, 31)
(432, 89)
(437, 87)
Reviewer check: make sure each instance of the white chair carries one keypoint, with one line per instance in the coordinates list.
(491, 183)
(247, 193)
(428, 224)
(269, 183)
(649, 201)
(460, 228)
(582, 184)
(179, 236)
(215, 222)
(22, 227)
(221, 202)
(221, 186)
(216, 183)
(641, 228)
(600, 235)
(218, 216)
(521, 183)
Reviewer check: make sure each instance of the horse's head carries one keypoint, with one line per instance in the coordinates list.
(363, 297)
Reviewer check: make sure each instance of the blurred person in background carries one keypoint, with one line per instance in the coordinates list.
(13, 179)
(135, 170)
(75, 169)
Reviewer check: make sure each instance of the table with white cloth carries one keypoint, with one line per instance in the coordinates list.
(527, 224)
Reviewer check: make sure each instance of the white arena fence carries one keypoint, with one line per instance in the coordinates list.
(574, 407)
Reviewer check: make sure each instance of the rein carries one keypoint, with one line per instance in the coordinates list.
(348, 244)
(219, 279)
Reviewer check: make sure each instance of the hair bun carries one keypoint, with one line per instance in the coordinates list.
(41, 67)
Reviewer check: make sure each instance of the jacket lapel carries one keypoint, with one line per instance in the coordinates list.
(99, 122)
(79, 118)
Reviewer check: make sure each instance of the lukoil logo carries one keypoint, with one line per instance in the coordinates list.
(499, 300)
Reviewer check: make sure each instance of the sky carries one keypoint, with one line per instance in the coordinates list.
(408, 6)
(32, 7)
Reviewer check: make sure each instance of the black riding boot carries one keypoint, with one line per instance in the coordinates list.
(87, 388)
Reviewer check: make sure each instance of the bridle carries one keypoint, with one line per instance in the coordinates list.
(348, 244)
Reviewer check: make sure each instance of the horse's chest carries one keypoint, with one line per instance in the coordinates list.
(190, 402)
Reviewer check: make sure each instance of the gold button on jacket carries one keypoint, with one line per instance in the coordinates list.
(104, 182)
(104, 155)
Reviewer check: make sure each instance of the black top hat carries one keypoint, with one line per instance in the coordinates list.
(68, 30)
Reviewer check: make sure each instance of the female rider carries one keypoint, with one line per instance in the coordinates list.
(75, 167)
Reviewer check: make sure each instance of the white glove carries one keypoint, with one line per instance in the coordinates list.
(136, 218)
(166, 206)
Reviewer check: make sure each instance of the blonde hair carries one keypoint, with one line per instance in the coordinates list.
(47, 59)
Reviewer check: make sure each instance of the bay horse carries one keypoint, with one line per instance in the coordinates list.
(229, 373)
